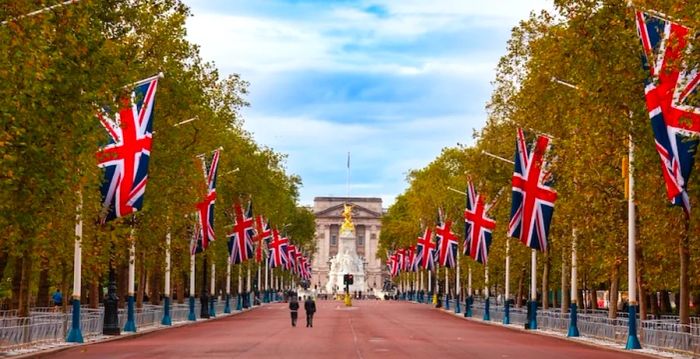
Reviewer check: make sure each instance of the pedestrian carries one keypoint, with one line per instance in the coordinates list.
(57, 299)
(310, 308)
(293, 309)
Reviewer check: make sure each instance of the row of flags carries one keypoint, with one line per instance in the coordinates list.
(250, 237)
(125, 158)
(671, 92)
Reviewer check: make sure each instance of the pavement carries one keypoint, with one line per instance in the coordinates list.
(368, 329)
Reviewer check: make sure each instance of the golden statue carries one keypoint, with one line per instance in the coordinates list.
(347, 223)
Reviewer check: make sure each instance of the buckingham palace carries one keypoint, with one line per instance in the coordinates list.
(366, 216)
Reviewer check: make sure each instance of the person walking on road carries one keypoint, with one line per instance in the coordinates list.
(293, 309)
(310, 308)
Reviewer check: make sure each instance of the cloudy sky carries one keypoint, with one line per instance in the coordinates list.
(391, 82)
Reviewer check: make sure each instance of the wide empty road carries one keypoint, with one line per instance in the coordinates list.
(369, 329)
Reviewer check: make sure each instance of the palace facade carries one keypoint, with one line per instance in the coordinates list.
(366, 216)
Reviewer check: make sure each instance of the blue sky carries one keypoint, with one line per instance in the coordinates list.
(391, 82)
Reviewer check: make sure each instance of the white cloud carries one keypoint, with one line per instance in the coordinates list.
(275, 52)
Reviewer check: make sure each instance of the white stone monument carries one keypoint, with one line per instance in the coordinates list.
(346, 261)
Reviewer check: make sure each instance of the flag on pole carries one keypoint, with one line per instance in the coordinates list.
(447, 244)
(426, 250)
(263, 236)
(533, 197)
(672, 98)
(277, 250)
(205, 208)
(477, 226)
(126, 155)
(240, 239)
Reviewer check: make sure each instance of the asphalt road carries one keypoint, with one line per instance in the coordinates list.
(369, 329)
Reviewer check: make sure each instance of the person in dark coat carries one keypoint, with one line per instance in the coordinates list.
(293, 309)
(310, 308)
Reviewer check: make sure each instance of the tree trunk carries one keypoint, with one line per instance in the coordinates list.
(95, 293)
(684, 300)
(641, 285)
(614, 288)
(16, 280)
(180, 291)
(565, 300)
(579, 299)
(140, 290)
(155, 284)
(593, 298)
(64, 285)
(122, 283)
(665, 302)
(521, 277)
(25, 293)
(545, 282)
(43, 295)
(654, 303)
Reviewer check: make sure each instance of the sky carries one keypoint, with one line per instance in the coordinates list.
(390, 81)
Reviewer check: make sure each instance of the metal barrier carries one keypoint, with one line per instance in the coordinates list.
(46, 326)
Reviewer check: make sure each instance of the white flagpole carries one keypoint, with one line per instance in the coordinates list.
(75, 335)
(240, 281)
(132, 266)
(212, 289)
(447, 282)
(507, 269)
(486, 281)
(458, 285)
(469, 282)
(192, 274)
(533, 277)
(228, 277)
(37, 12)
(167, 264)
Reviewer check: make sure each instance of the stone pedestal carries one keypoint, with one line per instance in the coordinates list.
(346, 262)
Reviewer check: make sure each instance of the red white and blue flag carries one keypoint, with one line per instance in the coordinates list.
(126, 155)
(291, 264)
(205, 208)
(393, 264)
(533, 197)
(477, 227)
(425, 250)
(262, 238)
(672, 97)
(240, 239)
(410, 264)
(277, 250)
(446, 241)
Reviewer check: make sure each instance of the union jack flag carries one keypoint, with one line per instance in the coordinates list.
(277, 250)
(533, 198)
(410, 264)
(393, 264)
(401, 258)
(477, 226)
(446, 242)
(291, 258)
(263, 236)
(425, 248)
(240, 239)
(205, 208)
(126, 155)
(671, 96)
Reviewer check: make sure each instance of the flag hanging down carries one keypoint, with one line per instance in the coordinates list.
(446, 242)
(240, 239)
(672, 96)
(393, 263)
(401, 259)
(277, 250)
(126, 155)
(533, 198)
(410, 264)
(205, 208)
(425, 248)
(291, 255)
(263, 237)
(477, 227)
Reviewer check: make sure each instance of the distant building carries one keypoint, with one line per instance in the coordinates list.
(367, 217)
